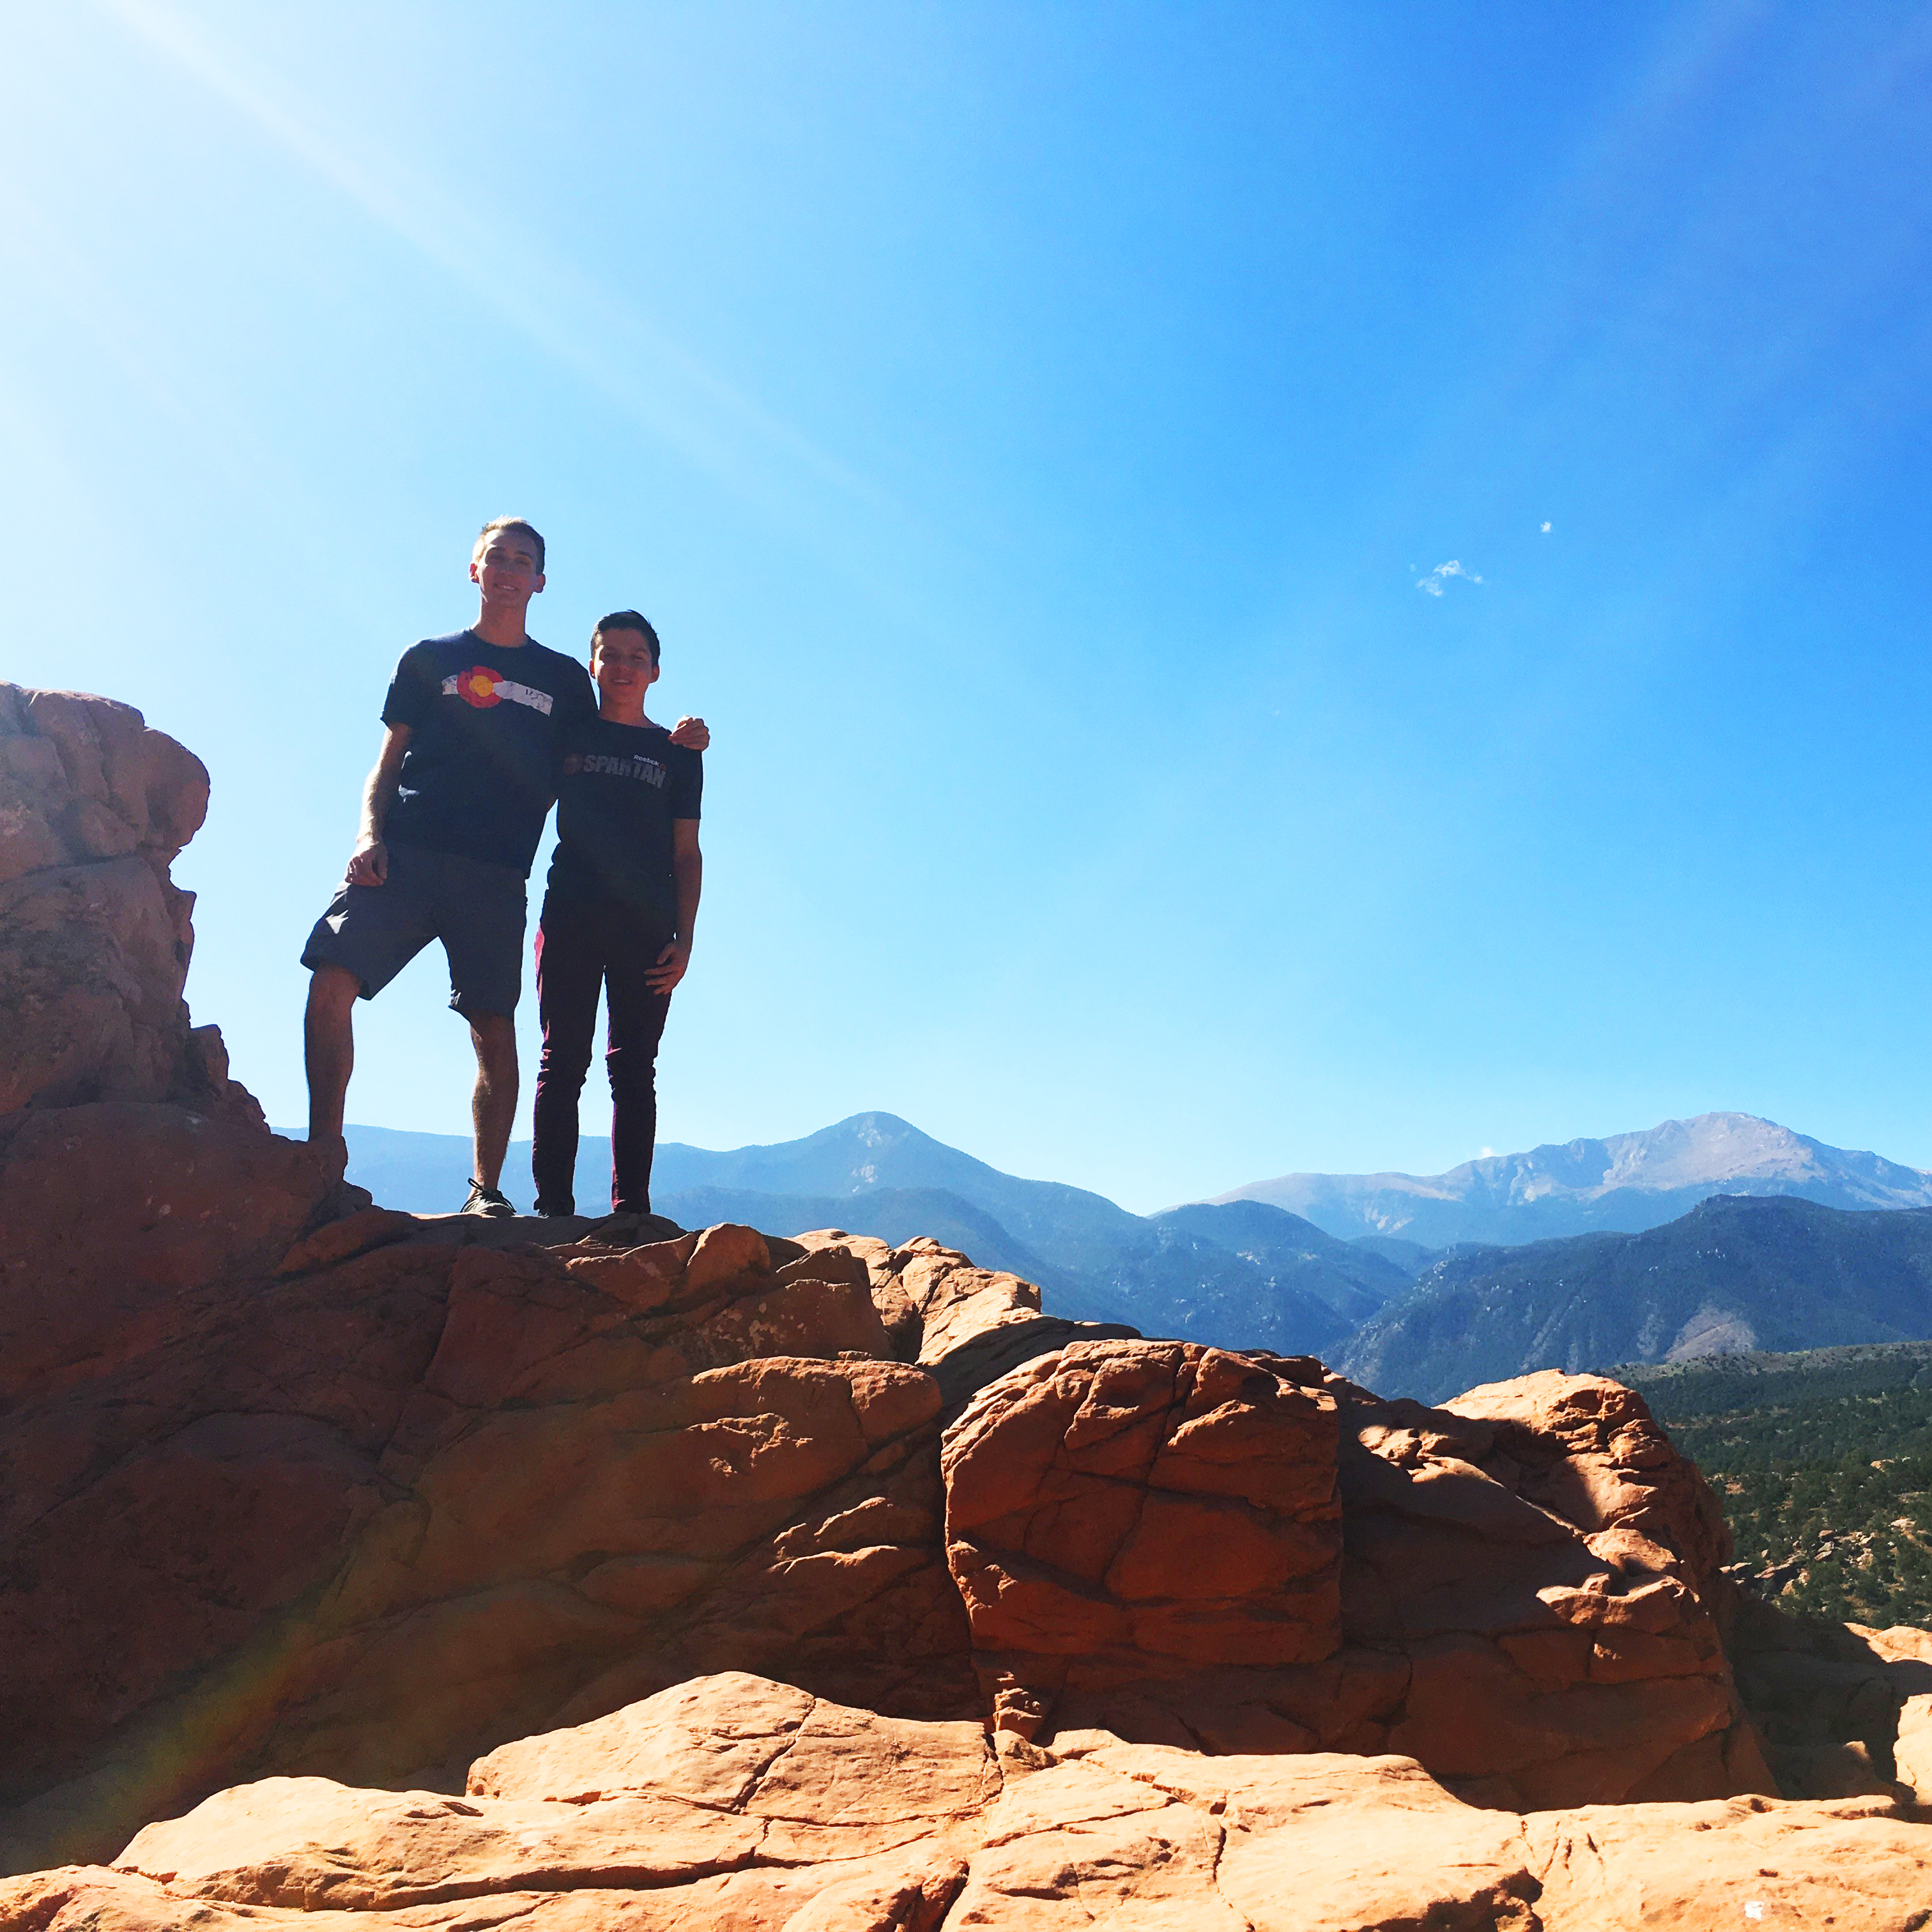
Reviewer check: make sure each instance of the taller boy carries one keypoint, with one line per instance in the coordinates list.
(474, 726)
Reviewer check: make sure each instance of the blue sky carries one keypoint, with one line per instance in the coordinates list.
(1036, 430)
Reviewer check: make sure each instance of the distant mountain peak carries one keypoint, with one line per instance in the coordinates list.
(1625, 1181)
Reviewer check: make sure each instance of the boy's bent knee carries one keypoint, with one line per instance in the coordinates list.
(332, 988)
(494, 1036)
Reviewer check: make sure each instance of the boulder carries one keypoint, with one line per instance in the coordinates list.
(733, 1801)
(1518, 1591)
(94, 936)
(1550, 1567)
(1120, 1510)
(1842, 1709)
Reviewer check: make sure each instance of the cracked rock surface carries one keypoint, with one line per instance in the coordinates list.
(734, 1801)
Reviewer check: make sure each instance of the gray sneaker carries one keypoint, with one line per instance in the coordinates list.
(486, 1201)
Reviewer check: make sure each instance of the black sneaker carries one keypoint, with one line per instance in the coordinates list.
(486, 1201)
(568, 1212)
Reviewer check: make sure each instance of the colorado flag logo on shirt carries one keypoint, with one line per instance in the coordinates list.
(482, 687)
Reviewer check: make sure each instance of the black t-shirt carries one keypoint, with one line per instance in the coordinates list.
(487, 728)
(622, 785)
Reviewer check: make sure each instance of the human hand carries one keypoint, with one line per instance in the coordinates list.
(693, 733)
(369, 863)
(672, 962)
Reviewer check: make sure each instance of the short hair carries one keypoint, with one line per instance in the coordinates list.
(516, 523)
(627, 620)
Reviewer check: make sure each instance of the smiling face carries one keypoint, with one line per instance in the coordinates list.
(624, 669)
(504, 568)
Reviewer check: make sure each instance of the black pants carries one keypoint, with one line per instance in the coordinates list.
(582, 945)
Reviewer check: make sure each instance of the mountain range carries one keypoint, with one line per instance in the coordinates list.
(1200, 1272)
(1722, 1232)
(1736, 1274)
(1626, 1182)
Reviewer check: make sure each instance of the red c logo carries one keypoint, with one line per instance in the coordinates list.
(478, 686)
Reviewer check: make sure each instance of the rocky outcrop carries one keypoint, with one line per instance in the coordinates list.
(1239, 1554)
(735, 1801)
(1552, 1569)
(407, 1500)
(94, 935)
(131, 1166)
(1842, 1710)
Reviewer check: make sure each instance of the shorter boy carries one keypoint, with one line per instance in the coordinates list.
(618, 911)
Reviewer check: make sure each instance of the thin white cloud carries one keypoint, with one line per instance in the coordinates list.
(1432, 585)
(1545, 530)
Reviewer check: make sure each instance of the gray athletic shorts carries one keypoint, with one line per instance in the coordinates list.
(475, 908)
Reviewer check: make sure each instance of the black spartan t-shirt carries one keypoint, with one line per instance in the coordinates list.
(487, 728)
(622, 785)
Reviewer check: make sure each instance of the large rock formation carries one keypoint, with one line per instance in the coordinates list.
(389, 1508)
(131, 1166)
(735, 1801)
(1048, 1621)
(94, 936)
(1243, 1553)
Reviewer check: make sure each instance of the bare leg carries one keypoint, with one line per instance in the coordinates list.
(493, 1103)
(328, 1053)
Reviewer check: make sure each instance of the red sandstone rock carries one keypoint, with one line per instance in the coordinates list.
(955, 1301)
(1120, 1510)
(968, 1325)
(1587, 1450)
(112, 1213)
(1833, 1702)
(418, 1499)
(1525, 1606)
(1546, 1562)
(94, 937)
(733, 1802)
(379, 1512)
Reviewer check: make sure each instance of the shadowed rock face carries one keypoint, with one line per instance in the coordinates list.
(733, 1801)
(376, 1516)
(404, 1500)
(1048, 1621)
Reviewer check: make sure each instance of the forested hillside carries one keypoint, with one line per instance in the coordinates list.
(1823, 1460)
